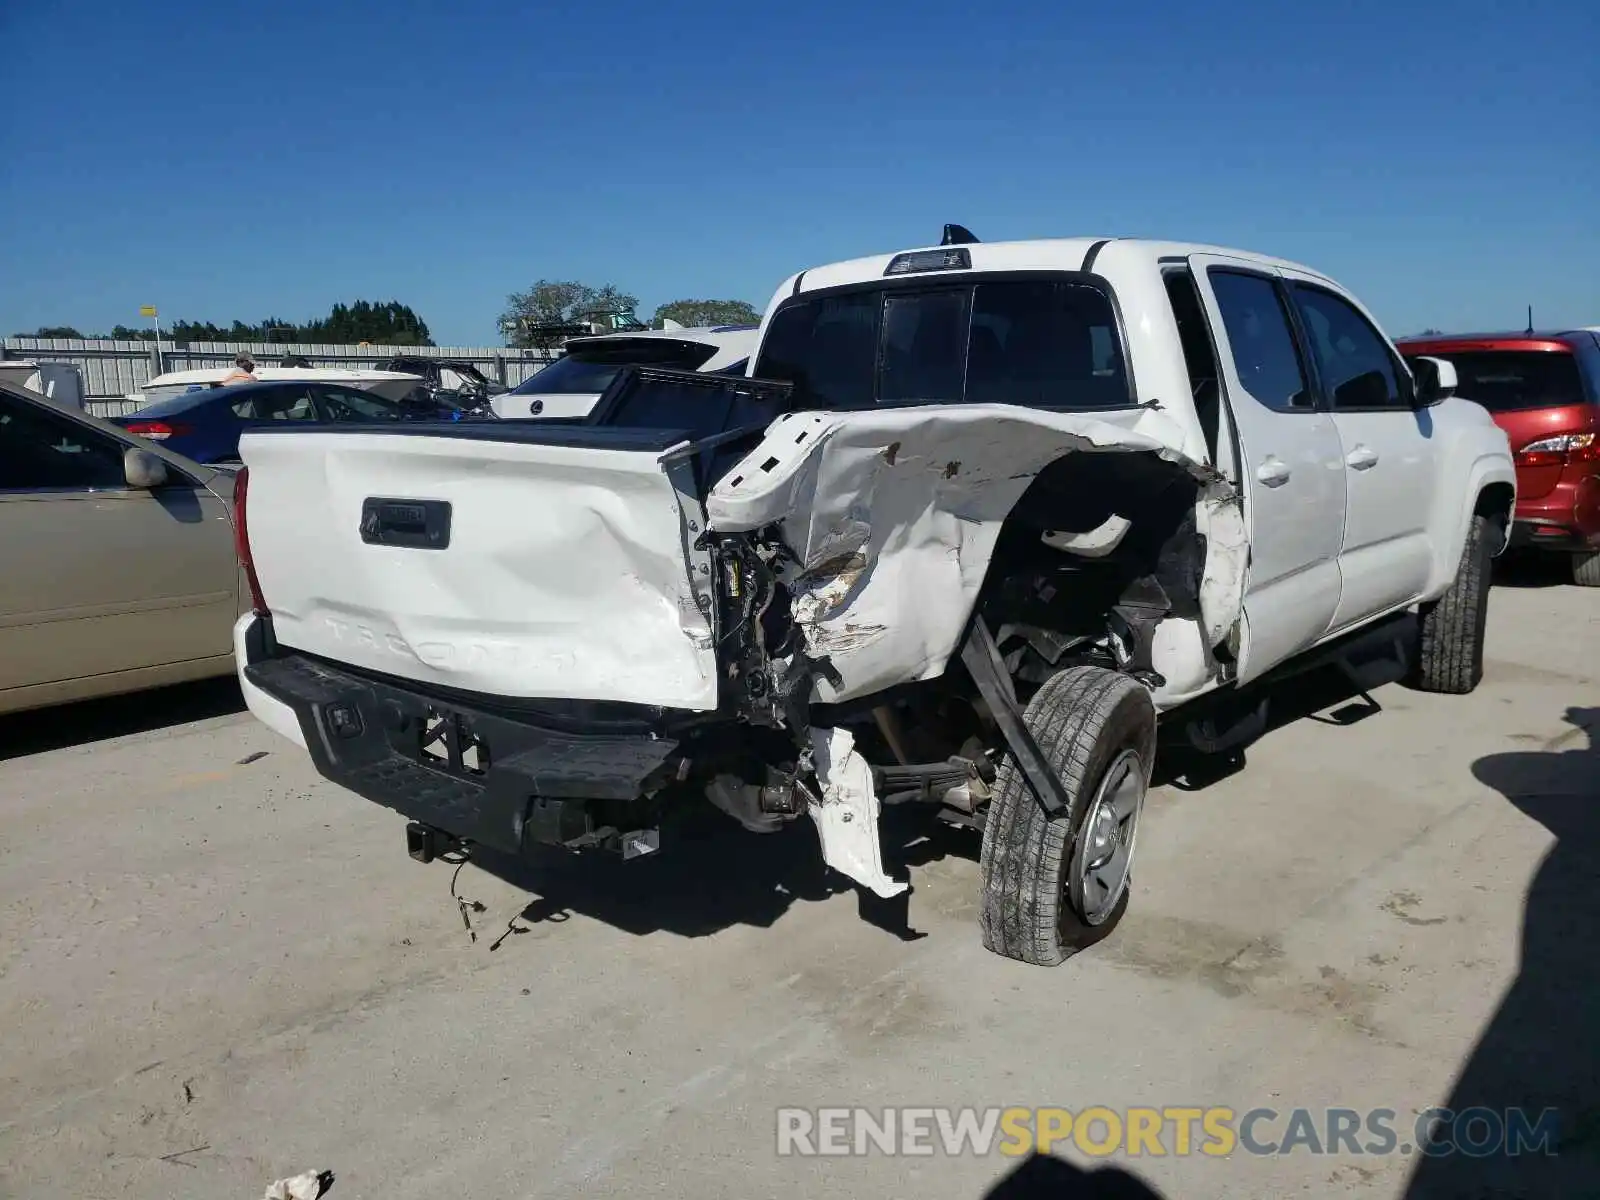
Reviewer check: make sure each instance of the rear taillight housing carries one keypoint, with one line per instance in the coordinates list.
(241, 538)
(1559, 450)
(157, 431)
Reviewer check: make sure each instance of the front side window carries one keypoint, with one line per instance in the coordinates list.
(1261, 340)
(1352, 357)
(1049, 343)
(40, 450)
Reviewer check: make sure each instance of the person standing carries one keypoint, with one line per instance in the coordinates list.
(243, 370)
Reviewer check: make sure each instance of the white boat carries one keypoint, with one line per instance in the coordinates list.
(390, 385)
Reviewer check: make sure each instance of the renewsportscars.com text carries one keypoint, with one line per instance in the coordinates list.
(1176, 1131)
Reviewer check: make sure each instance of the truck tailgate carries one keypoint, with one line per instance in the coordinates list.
(511, 560)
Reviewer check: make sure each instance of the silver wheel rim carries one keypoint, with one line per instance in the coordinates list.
(1103, 856)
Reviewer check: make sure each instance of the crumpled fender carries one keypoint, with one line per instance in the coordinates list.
(893, 515)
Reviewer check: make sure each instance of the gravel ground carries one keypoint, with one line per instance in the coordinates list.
(217, 970)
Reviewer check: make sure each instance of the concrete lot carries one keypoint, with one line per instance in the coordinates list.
(215, 970)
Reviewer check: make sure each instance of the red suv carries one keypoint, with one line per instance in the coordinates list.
(1543, 389)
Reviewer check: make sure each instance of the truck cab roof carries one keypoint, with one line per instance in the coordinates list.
(1041, 254)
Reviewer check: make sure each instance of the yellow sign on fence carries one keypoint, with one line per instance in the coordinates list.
(147, 310)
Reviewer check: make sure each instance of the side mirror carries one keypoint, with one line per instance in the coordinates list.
(1436, 379)
(142, 469)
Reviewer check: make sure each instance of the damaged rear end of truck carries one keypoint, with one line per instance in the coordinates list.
(896, 575)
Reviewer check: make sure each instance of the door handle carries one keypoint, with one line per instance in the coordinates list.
(1273, 472)
(1362, 458)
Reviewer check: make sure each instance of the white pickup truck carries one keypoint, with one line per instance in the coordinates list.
(978, 513)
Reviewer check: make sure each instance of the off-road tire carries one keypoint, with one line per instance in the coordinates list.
(1586, 569)
(1450, 649)
(1082, 718)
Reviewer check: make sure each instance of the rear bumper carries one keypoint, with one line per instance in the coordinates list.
(480, 776)
(1566, 518)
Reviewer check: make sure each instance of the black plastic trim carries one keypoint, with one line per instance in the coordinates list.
(531, 784)
(1094, 253)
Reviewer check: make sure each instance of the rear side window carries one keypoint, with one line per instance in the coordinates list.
(1514, 380)
(1357, 369)
(1261, 340)
(42, 450)
(590, 369)
(290, 403)
(1049, 343)
(170, 405)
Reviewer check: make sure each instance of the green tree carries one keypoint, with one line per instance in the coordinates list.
(707, 312)
(548, 312)
(386, 323)
(53, 331)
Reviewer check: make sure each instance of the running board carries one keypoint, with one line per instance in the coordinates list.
(1368, 659)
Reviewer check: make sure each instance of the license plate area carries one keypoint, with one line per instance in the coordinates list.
(419, 524)
(447, 741)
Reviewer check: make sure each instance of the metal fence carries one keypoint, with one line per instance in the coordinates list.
(113, 369)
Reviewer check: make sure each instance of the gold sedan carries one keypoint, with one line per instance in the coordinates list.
(117, 563)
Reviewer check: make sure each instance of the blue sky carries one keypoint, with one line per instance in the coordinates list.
(235, 161)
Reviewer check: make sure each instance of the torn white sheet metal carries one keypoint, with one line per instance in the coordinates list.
(308, 1185)
(847, 812)
(894, 514)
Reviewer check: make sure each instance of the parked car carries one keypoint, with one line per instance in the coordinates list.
(1543, 389)
(570, 386)
(206, 425)
(978, 514)
(451, 381)
(386, 385)
(119, 564)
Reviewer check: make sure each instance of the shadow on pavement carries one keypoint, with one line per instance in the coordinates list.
(1043, 1177)
(1530, 569)
(1541, 1050)
(65, 725)
(1325, 695)
(710, 874)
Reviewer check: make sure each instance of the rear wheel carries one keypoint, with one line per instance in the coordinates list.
(1450, 652)
(1586, 569)
(1054, 885)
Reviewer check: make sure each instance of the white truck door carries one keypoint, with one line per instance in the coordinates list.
(1291, 464)
(1388, 453)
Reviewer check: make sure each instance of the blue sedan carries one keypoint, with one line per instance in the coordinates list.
(206, 425)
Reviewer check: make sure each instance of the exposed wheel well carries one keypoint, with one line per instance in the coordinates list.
(1495, 502)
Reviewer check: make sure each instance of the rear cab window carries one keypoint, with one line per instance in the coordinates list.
(1511, 380)
(1047, 341)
